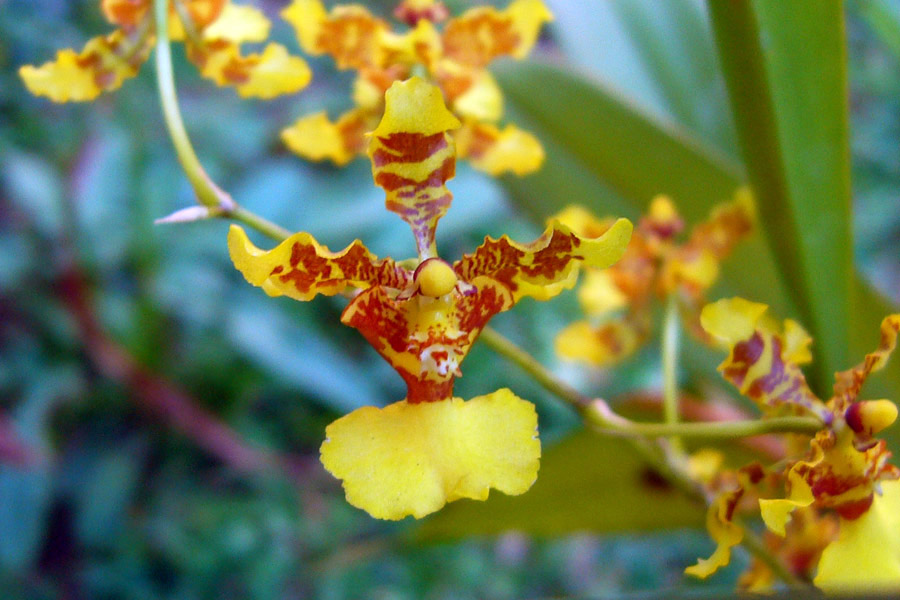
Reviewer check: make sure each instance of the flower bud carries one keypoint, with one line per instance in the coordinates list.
(871, 416)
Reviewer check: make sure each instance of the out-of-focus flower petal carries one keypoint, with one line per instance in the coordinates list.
(125, 13)
(866, 556)
(757, 364)
(776, 512)
(471, 94)
(582, 221)
(412, 12)
(266, 75)
(300, 267)
(599, 294)
(848, 383)
(413, 156)
(419, 45)
(481, 34)
(411, 459)
(314, 137)
(204, 12)
(723, 530)
(495, 151)
(547, 266)
(727, 225)
(796, 343)
(602, 345)
(349, 34)
(239, 23)
(102, 65)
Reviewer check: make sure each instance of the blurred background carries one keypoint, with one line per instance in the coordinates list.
(160, 419)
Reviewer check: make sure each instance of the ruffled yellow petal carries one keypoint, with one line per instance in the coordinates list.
(600, 346)
(314, 137)
(776, 512)
(495, 151)
(414, 107)
(307, 17)
(266, 75)
(99, 67)
(411, 459)
(866, 556)
(547, 266)
(796, 343)
(481, 34)
(724, 531)
(732, 319)
(239, 23)
(300, 267)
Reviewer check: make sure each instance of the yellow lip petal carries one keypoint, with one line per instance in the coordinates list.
(411, 459)
(866, 555)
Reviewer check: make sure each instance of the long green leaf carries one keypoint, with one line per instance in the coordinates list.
(785, 67)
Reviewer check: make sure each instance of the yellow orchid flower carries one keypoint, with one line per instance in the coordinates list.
(212, 31)
(846, 469)
(455, 59)
(618, 301)
(430, 448)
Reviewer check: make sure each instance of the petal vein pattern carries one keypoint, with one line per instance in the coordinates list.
(300, 267)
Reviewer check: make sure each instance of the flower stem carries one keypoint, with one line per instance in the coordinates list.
(208, 193)
(670, 365)
(217, 200)
(600, 417)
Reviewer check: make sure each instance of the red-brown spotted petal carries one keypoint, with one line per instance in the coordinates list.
(545, 267)
(300, 267)
(425, 339)
(481, 34)
(125, 13)
(848, 383)
(413, 156)
(349, 34)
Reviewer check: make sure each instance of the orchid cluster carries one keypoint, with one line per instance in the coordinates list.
(423, 98)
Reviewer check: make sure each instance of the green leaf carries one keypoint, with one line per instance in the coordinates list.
(785, 65)
(586, 483)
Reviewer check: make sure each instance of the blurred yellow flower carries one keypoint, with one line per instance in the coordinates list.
(454, 59)
(846, 468)
(618, 301)
(430, 448)
(212, 31)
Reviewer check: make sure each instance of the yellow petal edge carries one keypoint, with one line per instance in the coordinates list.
(411, 459)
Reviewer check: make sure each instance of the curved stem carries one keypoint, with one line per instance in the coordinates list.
(601, 418)
(208, 193)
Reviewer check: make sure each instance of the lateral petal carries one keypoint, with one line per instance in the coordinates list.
(545, 267)
(103, 64)
(315, 137)
(300, 267)
(266, 75)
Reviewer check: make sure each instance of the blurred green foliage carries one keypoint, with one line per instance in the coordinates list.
(106, 493)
